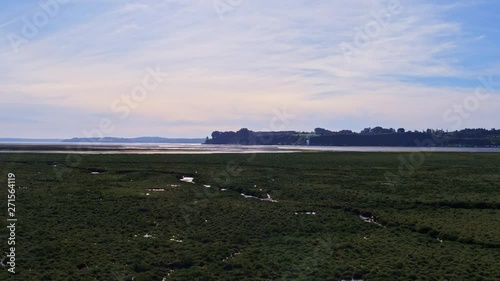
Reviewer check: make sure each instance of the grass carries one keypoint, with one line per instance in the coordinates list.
(75, 225)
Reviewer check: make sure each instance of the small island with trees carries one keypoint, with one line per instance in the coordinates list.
(376, 136)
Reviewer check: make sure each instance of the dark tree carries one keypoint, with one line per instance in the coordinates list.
(321, 131)
(366, 131)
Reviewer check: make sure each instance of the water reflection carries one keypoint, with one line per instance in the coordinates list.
(141, 148)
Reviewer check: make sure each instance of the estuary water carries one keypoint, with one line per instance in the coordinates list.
(180, 148)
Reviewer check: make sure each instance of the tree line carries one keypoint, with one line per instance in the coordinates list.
(376, 136)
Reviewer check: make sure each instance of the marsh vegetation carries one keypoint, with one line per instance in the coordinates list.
(94, 221)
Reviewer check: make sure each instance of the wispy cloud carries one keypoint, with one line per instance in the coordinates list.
(132, 7)
(127, 27)
(231, 73)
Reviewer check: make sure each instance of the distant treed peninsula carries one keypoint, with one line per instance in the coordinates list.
(376, 136)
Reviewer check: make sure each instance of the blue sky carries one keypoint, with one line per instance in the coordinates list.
(87, 68)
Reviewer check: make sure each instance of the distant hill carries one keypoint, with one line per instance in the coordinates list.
(136, 140)
(29, 140)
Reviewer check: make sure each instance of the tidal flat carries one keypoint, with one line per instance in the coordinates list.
(272, 216)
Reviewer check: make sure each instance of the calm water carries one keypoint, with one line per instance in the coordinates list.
(149, 148)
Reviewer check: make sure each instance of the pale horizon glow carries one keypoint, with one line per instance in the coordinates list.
(226, 67)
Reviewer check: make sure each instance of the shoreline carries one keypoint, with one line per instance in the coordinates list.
(88, 148)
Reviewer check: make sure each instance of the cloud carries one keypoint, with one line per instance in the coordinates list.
(233, 72)
(479, 38)
(130, 7)
(127, 28)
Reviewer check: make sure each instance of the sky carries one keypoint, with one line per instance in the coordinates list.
(178, 68)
